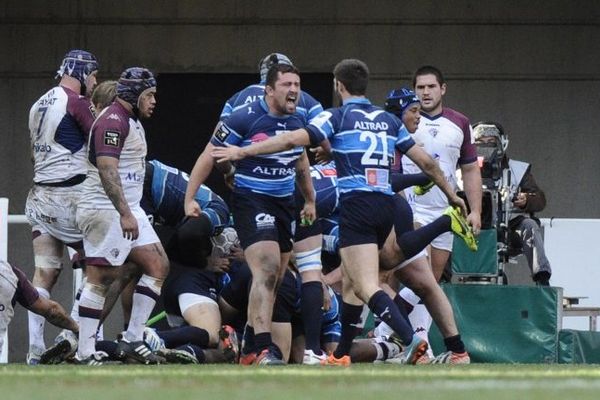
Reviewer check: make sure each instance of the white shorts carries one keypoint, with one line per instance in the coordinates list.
(8, 286)
(51, 210)
(187, 300)
(442, 242)
(103, 240)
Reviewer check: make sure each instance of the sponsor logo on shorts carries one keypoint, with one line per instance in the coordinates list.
(264, 220)
(115, 253)
(111, 138)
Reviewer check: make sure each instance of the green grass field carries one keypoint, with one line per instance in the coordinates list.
(216, 382)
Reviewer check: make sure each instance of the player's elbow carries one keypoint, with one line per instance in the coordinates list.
(297, 138)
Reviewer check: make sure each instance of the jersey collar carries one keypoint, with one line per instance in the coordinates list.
(357, 100)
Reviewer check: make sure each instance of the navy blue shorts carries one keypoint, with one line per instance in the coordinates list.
(258, 217)
(236, 292)
(403, 216)
(303, 232)
(366, 218)
(182, 280)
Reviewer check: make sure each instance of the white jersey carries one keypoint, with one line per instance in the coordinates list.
(116, 134)
(59, 122)
(447, 139)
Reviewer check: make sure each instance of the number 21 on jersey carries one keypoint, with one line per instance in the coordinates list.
(371, 156)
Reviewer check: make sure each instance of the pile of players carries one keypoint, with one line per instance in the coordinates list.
(299, 257)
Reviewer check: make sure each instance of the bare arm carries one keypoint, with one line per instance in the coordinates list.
(200, 172)
(285, 141)
(433, 171)
(305, 185)
(54, 313)
(471, 176)
(108, 169)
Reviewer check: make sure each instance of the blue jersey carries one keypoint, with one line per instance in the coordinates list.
(167, 194)
(363, 138)
(270, 174)
(308, 107)
(327, 196)
(324, 179)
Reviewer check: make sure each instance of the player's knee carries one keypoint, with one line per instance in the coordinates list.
(45, 277)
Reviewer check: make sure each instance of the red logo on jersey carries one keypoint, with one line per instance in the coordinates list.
(259, 137)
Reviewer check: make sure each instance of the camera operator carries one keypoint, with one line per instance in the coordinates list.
(514, 178)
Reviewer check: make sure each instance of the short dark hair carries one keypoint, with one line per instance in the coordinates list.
(272, 74)
(354, 74)
(428, 70)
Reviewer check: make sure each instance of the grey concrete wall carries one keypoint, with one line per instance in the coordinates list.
(534, 67)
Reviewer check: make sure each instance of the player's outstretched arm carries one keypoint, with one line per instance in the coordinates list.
(54, 313)
(200, 172)
(285, 141)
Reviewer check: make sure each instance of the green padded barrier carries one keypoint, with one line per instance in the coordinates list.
(483, 262)
(578, 347)
(504, 324)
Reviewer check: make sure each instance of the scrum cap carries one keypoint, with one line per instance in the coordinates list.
(78, 64)
(398, 100)
(133, 82)
(269, 61)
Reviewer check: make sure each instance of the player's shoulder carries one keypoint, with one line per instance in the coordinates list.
(456, 117)
(50, 98)
(249, 94)
(114, 117)
(247, 112)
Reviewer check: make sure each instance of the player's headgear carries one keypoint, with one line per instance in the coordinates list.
(398, 100)
(269, 61)
(78, 64)
(132, 83)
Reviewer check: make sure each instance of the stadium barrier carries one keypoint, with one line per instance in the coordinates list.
(505, 324)
(578, 347)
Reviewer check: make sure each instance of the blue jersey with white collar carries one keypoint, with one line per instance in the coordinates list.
(270, 174)
(363, 138)
(308, 107)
